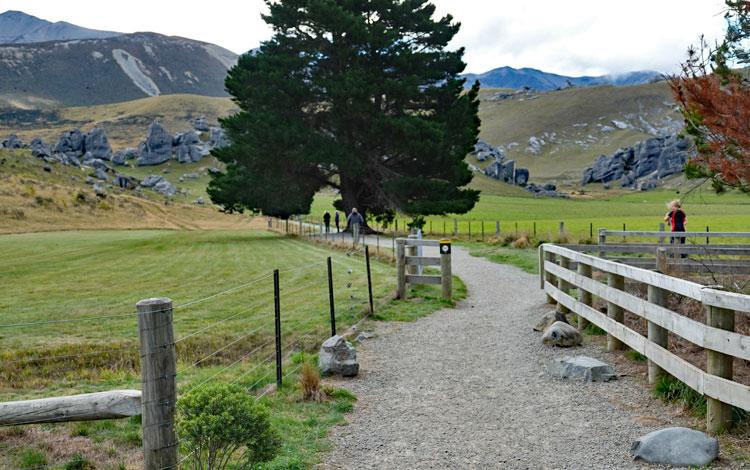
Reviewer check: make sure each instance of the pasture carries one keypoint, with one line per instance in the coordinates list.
(68, 326)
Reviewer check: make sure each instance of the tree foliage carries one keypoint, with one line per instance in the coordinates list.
(359, 95)
(715, 102)
(221, 424)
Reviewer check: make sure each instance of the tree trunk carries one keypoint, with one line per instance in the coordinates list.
(350, 196)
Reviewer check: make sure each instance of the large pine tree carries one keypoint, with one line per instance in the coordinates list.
(359, 95)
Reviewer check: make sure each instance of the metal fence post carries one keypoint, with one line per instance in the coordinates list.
(369, 278)
(159, 389)
(277, 324)
(330, 298)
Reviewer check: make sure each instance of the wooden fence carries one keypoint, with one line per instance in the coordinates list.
(563, 269)
(407, 262)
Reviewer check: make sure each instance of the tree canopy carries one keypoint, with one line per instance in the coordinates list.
(714, 97)
(359, 95)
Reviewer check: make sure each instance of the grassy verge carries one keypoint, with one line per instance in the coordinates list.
(526, 259)
(421, 301)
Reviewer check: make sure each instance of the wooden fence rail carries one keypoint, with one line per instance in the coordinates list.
(716, 335)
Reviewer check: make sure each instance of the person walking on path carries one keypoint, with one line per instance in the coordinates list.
(677, 221)
(337, 219)
(355, 221)
(327, 221)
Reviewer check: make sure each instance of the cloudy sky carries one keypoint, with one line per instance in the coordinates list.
(576, 37)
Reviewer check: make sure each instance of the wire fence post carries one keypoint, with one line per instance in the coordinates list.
(707, 240)
(497, 228)
(455, 227)
(330, 298)
(483, 230)
(277, 318)
(369, 278)
(159, 389)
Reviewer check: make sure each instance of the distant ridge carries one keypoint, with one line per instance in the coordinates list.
(44, 64)
(17, 27)
(509, 77)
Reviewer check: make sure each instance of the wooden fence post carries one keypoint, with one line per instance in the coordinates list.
(455, 227)
(602, 240)
(159, 389)
(661, 229)
(718, 414)
(549, 276)
(411, 250)
(561, 284)
(562, 228)
(614, 311)
(584, 296)
(446, 274)
(656, 334)
(662, 262)
(497, 228)
(400, 269)
(540, 251)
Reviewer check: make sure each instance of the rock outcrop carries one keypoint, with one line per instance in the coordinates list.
(157, 148)
(188, 147)
(121, 157)
(11, 142)
(643, 165)
(96, 143)
(70, 144)
(500, 168)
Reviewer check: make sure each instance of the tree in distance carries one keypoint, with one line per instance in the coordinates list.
(358, 95)
(714, 98)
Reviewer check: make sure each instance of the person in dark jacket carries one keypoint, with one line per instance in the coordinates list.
(355, 221)
(677, 220)
(337, 220)
(327, 221)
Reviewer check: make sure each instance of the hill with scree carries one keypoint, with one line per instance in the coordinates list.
(75, 66)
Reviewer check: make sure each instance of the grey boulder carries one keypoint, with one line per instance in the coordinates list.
(188, 147)
(165, 187)
(97, 144)
(338, 356)
(677, 446)
(151, 180)
(11, 142)
(71, 144)
(39, 149)
(157, 148)
(122, 156)
(585, 368)
(562, 335)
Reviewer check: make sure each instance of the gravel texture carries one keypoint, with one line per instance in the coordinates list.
(468, 388)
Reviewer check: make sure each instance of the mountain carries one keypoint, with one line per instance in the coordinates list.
(509, 77)
(46, 65)
(17, 27)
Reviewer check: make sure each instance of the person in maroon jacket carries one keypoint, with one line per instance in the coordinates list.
(677, 221)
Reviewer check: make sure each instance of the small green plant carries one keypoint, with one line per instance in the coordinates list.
(31, 458)
(670, 389)
(79, 198)
(79, 462)
(221, 425)
(635, 356)
(593, 330)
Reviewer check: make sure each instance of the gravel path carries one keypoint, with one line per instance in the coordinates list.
(467, 388)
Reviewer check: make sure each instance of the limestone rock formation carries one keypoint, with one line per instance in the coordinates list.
(122, 156)
(96, 143)
(643, 165)
(188, 147)
(70, 144)
(11, 142)
(157, 147)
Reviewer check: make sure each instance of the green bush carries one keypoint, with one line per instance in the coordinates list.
(221, 425)
(31, 458)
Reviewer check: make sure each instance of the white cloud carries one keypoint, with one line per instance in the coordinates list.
(573, 38)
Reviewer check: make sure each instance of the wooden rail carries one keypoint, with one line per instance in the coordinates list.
(407, 261)
(716, 335)
(86, 407)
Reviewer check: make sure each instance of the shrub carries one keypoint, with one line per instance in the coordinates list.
(671, 389)
(522, 243)
(221, 424)
(309, 379)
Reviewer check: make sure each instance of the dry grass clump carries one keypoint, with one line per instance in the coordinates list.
(309, 380)
(522, 243)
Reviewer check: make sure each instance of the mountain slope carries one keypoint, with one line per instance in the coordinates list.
(508, 77)
(109, 70)
(17, 27)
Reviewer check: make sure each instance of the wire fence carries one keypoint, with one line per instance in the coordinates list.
(249, 334)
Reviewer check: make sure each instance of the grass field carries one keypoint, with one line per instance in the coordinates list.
(68, 325)
(637, 210)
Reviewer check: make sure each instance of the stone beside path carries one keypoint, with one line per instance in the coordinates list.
(469, 387)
